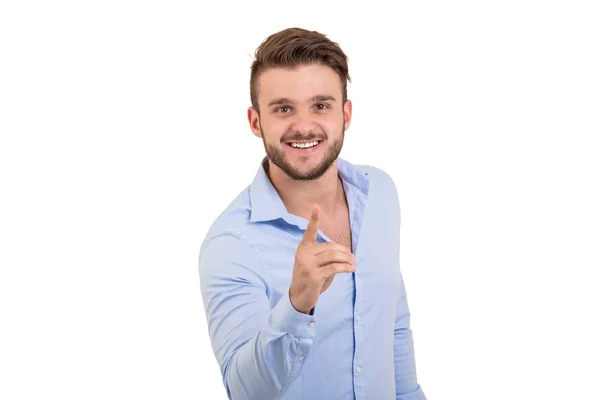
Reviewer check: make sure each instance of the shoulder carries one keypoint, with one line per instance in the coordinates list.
(383, 194)
(231, 226)
(379, 180)
(227, 251)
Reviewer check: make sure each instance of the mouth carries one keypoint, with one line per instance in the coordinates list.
(304, 146)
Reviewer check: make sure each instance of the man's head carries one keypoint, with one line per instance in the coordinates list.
(298, 93)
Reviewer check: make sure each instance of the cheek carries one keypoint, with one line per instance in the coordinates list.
(274, 130)
(332, 126)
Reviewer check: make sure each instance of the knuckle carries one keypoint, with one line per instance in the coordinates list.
(300, 258)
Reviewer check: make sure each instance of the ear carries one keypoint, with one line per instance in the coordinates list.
(347, 114)
(254, 121)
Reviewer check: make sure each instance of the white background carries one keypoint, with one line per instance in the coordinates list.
(124, 135)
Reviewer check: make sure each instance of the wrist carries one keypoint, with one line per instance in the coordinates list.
(300, 309)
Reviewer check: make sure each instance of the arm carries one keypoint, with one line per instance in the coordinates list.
(405, 369)
(260, 350)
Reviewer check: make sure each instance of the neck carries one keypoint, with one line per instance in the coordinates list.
(299, 196)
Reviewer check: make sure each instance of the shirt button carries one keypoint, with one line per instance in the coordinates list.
(358, 318)
(301, 358)
(358, 370)
(311, 325)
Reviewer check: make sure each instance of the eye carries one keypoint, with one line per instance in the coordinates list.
(283, 109)
(321, 106)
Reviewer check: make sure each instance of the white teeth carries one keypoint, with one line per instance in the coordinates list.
(305, 145)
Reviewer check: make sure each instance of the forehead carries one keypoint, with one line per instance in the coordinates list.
(300, 83)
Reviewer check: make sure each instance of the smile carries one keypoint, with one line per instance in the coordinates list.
(304, 145)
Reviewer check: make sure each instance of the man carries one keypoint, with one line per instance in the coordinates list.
(281, 326)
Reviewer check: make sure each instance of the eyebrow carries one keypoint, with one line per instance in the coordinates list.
(286, 100)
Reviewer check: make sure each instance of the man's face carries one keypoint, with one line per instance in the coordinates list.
(298, 108)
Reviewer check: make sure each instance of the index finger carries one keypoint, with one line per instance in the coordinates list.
(312, 229)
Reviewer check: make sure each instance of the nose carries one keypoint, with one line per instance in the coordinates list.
(304, 123)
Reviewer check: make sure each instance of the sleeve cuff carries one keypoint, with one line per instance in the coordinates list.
(286, 318)
(416, 395)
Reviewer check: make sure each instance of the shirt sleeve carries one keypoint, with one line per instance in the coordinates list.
(260, 350)
(405, 370)
(407, 387)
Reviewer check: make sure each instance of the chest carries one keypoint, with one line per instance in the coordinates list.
(339, 230)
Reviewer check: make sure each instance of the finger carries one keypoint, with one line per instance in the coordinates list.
(326, 246)
(312, 229)
(335, 268)
(334, 256)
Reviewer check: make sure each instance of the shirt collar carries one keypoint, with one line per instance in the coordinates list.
(266, 205)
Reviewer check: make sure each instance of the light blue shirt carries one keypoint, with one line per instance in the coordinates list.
(357, 344)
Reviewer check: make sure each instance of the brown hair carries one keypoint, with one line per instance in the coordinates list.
(293, 47)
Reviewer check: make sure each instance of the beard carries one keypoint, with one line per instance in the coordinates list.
(277, 157)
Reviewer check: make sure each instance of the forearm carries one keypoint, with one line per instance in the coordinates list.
(405, 369)
(267, 364)
(407, 386)
(260, 349)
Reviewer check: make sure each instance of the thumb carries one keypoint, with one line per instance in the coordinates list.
(312, 229)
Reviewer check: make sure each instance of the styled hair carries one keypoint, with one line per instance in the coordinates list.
(294, 47)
